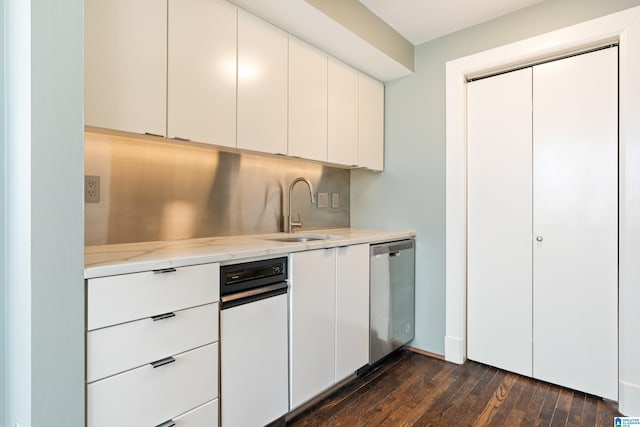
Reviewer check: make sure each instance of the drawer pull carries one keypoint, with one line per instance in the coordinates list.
(162, 316)
(168, 423)
(163, 362)
(164, 270)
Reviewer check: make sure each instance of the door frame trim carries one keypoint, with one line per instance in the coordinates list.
(623, 27)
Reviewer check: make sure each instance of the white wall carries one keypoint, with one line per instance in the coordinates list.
(410, 193)
(44, 213)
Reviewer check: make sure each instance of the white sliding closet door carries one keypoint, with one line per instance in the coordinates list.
(499, 221)
(575, 253)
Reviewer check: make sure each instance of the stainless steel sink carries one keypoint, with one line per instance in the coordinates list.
(301, 238)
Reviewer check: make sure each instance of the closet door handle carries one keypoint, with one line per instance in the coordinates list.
(539, 239)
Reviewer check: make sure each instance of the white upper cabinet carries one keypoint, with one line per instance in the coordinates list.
(342, 140)
(370, 123)
(206, 71)
(262, 85)
(201, 103)
(126, 65)
(307, 101)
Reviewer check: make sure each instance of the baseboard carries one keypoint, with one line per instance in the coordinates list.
(629, 399)
(454, 350)
(425, 352)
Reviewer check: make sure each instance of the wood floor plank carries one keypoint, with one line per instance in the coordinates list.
(589, 412)
(416, 401)
(605, 413)
(502, 414)
(411, 389)
(486, 417)
(561, 413)
(441, 408)
(548, 406)
(575, 412)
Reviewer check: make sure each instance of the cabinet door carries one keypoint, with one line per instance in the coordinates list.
(126, 65)
(202, 71)
(307, 101)
(342, 126)
(575, 298)
(312, 311)
(370, 123)
(352, 309)
(262, 85)
(499, 215)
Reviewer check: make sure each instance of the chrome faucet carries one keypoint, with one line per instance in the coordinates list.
(298, 223)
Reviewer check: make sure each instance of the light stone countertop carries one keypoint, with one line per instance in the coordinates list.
(111, 260)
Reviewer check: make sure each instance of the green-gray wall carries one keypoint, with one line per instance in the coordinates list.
(410, 193)
(43, 212)
(3, 309)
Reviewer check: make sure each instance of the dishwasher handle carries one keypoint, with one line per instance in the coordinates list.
(252, 295)
(392, 248)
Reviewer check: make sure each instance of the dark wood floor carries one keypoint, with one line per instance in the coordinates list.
(410, 389)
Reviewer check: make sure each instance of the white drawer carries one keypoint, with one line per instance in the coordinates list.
(203, 416)
(128, 345)
(148, 396)
(118, 299)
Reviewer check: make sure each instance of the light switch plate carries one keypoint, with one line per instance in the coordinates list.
(323, 200)
(335, 200)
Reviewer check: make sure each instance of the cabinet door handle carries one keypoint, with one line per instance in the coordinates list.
(162, 316)
(163, 362)
(164, 270)
(154, 134)
(168, 423)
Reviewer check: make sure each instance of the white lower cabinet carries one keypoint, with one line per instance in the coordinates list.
(155, 393)
(149, 339)
(352, 309)
(205, 415)
(313, 301)
(329, 318)
(150, 360)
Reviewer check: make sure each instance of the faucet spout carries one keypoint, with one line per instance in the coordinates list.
(298, 223)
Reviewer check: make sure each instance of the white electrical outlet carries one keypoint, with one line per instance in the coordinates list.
(335, 200)
(323, 200)
(91, 189)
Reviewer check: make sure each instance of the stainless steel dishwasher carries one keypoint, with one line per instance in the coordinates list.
(392, 297)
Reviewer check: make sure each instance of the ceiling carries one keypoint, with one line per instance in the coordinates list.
(423, 20)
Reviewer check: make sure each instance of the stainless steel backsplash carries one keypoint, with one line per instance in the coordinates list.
(152, 190)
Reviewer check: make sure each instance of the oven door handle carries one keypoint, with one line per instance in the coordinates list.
(252, 295)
